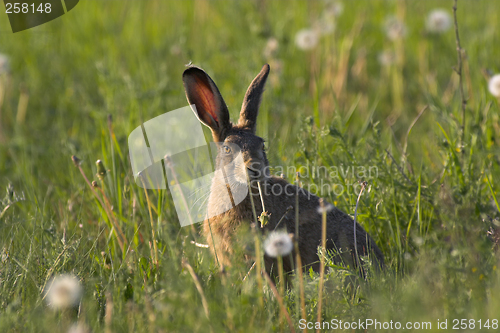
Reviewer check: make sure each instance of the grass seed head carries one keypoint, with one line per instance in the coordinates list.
(264, 219)
(101, 170)
(76, 160)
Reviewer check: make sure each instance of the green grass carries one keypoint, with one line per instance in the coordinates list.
(429, 206)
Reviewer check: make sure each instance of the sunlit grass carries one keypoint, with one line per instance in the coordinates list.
(429, 206)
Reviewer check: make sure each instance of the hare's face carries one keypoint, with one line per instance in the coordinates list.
(242, 153)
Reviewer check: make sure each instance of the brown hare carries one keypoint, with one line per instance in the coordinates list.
(278, 195)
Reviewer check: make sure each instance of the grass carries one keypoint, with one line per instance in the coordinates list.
(429, 205)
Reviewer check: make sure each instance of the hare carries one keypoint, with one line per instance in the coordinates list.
(277, 194)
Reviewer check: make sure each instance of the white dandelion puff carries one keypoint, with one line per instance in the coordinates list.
(324, 26)
(494, 85)
(394, 28)
(438, 21)
(175, 50)
(275, 76)
(335, 8)
(63, 291)
(300, 82)
(79, 328)
(386, 58)
(325, 209)
(271, 47)
(4, 64)
(278, 244)
(306, 39)
(276, 65)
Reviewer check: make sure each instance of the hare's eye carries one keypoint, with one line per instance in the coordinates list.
(226, 149)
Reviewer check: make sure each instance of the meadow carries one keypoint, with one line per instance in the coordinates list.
(369, 85)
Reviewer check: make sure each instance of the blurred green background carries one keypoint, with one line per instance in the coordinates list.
(375, 87)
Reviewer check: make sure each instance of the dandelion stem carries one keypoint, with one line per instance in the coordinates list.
(76, 161)
(111, 146)
(2, 95)
(108, 317)
(397, 166)
(297, 211)
(184, 201)
(410, 128)
(280, 301)
(282, 289)
(197, 283)
(322, 259)
(258, 264)
(363, 185)
(458, 69)
(213, 243)
(249, 271)
(251, 200)
(301, 288)
(281, 219)
(261, 197)
(297, 253)
(113, 219)
(257, 243)
(155, 247)
(51, 269)
(22, 106)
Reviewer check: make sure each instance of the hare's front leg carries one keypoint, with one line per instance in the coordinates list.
(218, 241)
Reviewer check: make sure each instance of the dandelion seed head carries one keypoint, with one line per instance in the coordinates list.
(275, 76)
(334, 8)
(438, 21)
(324, 26)
(494, 85)
(419, 241)
(276, 65)
(278, 244)
(306, 39)
(79, 328)
(394, 28)
(386, 58)
(63, 291)
(175, 50)
(4, 64)
(325, 209)
(299, 83)
(271, 47)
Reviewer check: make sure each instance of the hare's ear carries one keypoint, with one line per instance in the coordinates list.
(210, 108)
(250, 107)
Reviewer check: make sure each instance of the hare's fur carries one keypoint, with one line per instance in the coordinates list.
(278, 195)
